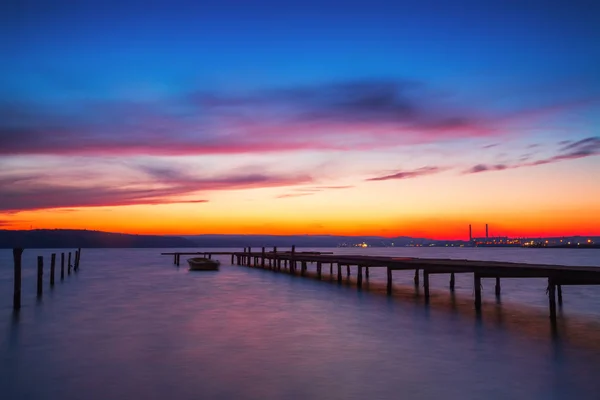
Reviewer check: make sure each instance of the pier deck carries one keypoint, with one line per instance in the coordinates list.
(557, 275)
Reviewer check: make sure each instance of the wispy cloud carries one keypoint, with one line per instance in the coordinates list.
(343, 115)
(163, 185)
(287, 195)
(408, 174)
(485, 167)
(569, 150)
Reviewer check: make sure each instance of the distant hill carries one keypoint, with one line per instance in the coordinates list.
(297, 240)
(61, 238)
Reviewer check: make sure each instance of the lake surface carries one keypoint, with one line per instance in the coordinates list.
(130, 325)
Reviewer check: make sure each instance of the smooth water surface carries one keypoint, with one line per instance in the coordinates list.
(130, 325)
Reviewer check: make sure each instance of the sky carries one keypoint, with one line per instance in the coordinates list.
(301, 117)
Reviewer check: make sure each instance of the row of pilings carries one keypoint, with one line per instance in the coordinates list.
(17, 260)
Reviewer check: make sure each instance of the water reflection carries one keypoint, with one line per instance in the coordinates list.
(141, 328)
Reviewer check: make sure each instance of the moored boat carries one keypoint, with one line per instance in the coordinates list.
(203, 264)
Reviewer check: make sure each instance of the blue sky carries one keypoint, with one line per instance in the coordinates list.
(386, 89)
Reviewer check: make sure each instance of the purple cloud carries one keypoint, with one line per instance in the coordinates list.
(587, 147)
(164, 186)
(408, 174)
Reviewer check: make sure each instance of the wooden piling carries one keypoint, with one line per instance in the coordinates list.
(477, 285)
(178, 260)
(262, 262)
(416, 277)
(389, 280)
(52, 267)
(331, 269)
(293, 261)
(319, 266)
(452, 281)
(559, 287)
(62, 266)
(552, 298)
(69, 265)
(175, 259)
(359, 277)
(348, 270)
(339, 272)
(249, 258)
(75, 261)
(426, 284)
(232, 258)
(77, 258)
(367, 273)
(303, 267)
(497, 287)
(17, 253)
(40, 273)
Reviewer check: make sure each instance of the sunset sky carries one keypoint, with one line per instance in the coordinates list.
(301, 117)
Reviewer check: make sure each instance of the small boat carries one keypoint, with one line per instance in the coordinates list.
(203, 264)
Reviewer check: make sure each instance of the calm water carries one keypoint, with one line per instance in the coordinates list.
(130, 325)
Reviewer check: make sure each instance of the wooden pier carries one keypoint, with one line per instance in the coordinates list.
(297, 263)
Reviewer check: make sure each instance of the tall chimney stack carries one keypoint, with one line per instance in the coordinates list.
(486, 231)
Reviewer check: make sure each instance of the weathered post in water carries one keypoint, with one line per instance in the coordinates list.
(497, 289)
(426, 284)
(62, 266)
(416, 277)
(262, 261)
(552, 298)
(359, 277)
(559, 291)
(452, 281)
(40, 273)
(477, 285)
(17, 252)
(293, 261)
(389, 280)
(52, 266)
(319, 265)
(77, 259)
(69, 265)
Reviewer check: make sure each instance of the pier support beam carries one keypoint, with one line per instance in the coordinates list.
(552, 299)
(17, 253)
(262, 261)
(477, 285)
(359, 277)
(62, 266)
(303, 268)
(426, 284)
(452, 281)
(319, 266)
(559, 287)
(416, 277)
(497, 289)
(348, 270)
(339, 272)
(367, 273)
(389, 281)
(331, 269)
